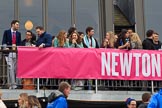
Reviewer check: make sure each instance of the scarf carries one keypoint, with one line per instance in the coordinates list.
(86, 41)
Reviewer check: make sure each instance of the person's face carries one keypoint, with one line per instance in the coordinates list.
(65, 35)
(116, 37)
(155, 37)
(107, 36)
(67, 91)
(39, 32)
(74, 36)
(91, 33)
(81, 36)
(127, 35)
(130, 32)
(132, 104)
(15, 26)
(28, 35)
(20, 101)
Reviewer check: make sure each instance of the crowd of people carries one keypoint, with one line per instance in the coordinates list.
(126, 39)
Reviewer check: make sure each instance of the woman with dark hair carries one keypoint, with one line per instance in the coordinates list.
(123, 41)
(71, 30)
(74, 40)
(131, 103)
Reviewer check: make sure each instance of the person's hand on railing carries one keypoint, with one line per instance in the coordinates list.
(42, 45)
(33, 45)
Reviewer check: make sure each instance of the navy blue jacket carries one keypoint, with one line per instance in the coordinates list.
(7, 38)
(44, 38)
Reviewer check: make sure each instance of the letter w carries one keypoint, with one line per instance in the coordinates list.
(125, 64)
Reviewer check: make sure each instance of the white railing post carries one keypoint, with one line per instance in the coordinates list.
(38, 89)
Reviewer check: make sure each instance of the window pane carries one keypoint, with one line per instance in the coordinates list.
(30, 10)
(59, 15)
(87, 15)
(7, 11)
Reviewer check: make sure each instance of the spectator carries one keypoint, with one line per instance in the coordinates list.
(157, 44)
(123, 41)
(109, 40)
(148, 43)
(57, 99)
(145, 100)
(130, 31)
(74, 41)
(81, 35)
(131, 103)
(71, 30)
(12, 38)
(2, 105)
(156, 100)
(23, 100)
(33, 102)
(61, 40)
(44, 40)
(28, 39)
(89, 41)
(136, 41)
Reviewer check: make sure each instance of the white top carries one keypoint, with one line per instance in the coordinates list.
(2, 105)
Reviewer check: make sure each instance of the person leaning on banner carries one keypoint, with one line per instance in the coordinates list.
(148, 42)
(88, 40)
(44, 39)
(156, 100)
(11, 37)
(57, 99)
(123, 41)
(28, 41)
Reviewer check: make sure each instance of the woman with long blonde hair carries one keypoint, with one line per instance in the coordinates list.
(109, 40)
(136, 41)
(23, 99)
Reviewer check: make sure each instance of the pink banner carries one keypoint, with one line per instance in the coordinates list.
(79, 63)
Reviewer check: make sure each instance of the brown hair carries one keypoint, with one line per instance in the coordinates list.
(63, 85)
(146, 97)
(61, 38)
(33, 101)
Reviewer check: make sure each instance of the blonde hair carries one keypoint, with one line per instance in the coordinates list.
(112, 39)
(24, 97)
(135, 38)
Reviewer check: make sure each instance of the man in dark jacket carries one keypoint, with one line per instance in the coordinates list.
(145, 100)
(148, 42)
(44, 39)
(57, 99)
